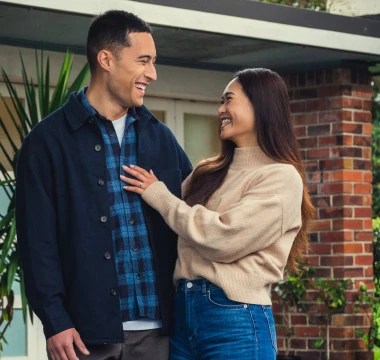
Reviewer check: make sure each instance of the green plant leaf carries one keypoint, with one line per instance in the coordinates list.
(318, 344)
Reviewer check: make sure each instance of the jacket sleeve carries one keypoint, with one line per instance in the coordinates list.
(265, 212)
(37, 240)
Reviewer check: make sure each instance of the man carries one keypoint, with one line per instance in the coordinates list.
(98, 261)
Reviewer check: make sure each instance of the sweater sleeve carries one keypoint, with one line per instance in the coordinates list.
(266, 211)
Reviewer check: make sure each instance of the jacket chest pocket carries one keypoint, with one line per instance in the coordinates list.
(172, 179)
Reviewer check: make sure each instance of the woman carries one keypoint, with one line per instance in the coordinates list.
(244, 217)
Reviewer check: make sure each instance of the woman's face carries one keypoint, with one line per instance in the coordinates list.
(236, 116)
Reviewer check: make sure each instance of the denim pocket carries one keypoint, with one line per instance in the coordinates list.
(218, 298)
(272, 327)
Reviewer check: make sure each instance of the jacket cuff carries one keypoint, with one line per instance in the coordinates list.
(55, 325)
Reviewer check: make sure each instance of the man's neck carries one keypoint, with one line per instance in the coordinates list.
(104, 104)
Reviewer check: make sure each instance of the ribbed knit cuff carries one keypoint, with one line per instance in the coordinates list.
(159, 197)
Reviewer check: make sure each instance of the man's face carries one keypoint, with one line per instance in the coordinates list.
(132, 71)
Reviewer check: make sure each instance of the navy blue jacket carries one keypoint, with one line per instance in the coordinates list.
(65, 248)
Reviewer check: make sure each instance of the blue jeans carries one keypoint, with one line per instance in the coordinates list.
(209, 326)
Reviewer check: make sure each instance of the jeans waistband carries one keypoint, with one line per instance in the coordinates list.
(201, 285)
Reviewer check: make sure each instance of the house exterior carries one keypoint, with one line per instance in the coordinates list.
(323, 58)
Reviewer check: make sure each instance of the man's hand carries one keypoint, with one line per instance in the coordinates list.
(60, 346)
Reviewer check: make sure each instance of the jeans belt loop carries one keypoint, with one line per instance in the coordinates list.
(204, 287)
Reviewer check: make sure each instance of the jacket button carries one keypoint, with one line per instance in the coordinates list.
(135, 249)
(112, 133)
(100, 182)
(131, 221)
(98, 147)
(113, 292)
(107, 256)
(138, 277)
(91, 120)
(103, 219)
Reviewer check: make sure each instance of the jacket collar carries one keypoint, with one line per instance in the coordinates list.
(77, 114)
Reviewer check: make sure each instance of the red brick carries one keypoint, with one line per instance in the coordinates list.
(347, 151)
(334, 116)
(327, 140)
(340, 200)
(368, 247)
(313, 260)
(299, 319)
(336, 188)
(339, 332)
(368, 272)
(327, 177)
(320, 202)
(298, 344)
(367, 129)
(306, 119)
(341, 224)
(347, 175)
(318, 153)
(331, 213)
(363, 260)
(362, 188)
(347, 128)
(303, 331)
(297, 107)
(362, 140)
(342, 260)
(320, 249)
(362, 92)
(335, 236)
(310, 142)
(364, 236)
(367, 153)
(342, 273)
(367, 105)
(322, 129)
(347, 320)
(314, 177)
(362, 164)
(350, 248)
(319, 225)
(367, 177)
(344, 140)
(367, 200)
(363, 212)
(317, 105)
(300, 131)
(348, 345)
(362, 116)
(311, 165)
(367, 224)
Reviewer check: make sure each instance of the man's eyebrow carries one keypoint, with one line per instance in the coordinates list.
(147, 57)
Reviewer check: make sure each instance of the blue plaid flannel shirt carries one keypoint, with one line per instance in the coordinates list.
(133, 255)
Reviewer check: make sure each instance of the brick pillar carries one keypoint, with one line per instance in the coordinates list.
(332, 113)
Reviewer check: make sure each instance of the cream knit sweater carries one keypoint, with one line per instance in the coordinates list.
(241, 239)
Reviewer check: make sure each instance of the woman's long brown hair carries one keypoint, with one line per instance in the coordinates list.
(277, 139)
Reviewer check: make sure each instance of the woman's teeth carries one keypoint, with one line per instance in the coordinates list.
(225, 122)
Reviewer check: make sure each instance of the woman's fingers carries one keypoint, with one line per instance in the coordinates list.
(137, 172)
(134, 189)
(131, 181)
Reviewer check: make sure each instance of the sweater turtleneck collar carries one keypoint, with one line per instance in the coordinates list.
(249, 157)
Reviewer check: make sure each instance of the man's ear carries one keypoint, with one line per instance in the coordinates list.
(105, 59)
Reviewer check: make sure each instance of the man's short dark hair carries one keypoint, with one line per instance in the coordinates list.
(111, 31)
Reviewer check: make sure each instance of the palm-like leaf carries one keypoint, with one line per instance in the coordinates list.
(37, 106)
